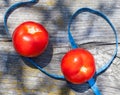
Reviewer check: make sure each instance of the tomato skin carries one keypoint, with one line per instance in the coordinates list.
(78, 66)
(30, 39)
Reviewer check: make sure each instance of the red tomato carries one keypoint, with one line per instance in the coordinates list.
(78, 66)
(30, 39)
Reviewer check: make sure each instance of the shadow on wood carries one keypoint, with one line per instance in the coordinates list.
(2, 29)
(42, 60)
(78, 87)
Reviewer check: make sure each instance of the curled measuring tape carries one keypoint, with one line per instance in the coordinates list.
(74, 45)
(72, 41)
(7, 14)
(15, 6)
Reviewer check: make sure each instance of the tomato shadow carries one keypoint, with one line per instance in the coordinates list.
(80, 88)
(42, 60)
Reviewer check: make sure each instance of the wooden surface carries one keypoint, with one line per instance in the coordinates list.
(91, 32)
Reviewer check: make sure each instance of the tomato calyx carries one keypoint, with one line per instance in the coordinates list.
(32, 30)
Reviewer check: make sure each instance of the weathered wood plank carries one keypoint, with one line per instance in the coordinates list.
(90, 32)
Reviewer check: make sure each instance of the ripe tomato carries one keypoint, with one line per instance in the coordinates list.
(30, 39)
(78, 66)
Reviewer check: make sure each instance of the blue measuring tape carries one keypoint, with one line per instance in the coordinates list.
(7, 14)
(91, 82)
(15, 6)
(74, 45)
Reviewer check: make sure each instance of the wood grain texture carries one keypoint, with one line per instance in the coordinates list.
(89, 31)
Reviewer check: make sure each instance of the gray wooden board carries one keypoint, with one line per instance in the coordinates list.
(90, 32)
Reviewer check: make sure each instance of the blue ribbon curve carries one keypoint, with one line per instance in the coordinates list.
(92, 82)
